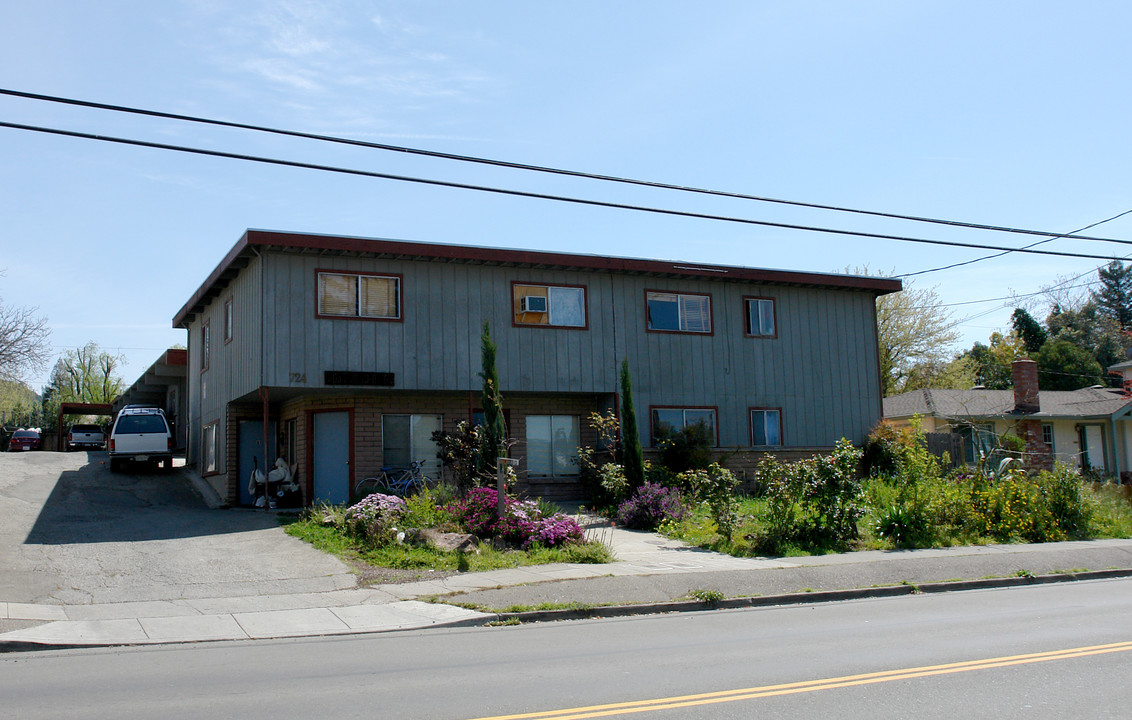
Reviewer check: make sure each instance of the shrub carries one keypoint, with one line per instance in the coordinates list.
(649, 506)
(814, 501)
(716, 487)
(425, 510)
(476, 511)
(525, 523)
(904, 526)
(373, 518)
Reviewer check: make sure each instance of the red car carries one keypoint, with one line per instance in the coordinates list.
(24, 440)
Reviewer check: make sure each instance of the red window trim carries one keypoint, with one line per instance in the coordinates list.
(747, 319)
(652, 428)
(547, 326)
(711, 313)
(368, 273)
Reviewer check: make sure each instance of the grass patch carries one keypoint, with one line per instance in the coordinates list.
(330, 539)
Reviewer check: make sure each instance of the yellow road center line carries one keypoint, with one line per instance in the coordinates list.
(682, 701)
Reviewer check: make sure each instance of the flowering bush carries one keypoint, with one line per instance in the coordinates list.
(373, 517)
(650, 505)
(523, 523)
(555, 531)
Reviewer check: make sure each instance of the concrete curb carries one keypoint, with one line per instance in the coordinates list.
(804, 598)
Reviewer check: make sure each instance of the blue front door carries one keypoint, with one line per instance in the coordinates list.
(331, 456)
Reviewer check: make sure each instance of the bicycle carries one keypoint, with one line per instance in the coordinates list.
(393, 481)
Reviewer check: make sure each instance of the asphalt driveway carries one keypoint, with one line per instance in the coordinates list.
(72, 533)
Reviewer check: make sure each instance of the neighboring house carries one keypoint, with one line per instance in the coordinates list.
(1088, 428)
(355, 350)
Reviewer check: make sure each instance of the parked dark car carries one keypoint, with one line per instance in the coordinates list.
(25, 440)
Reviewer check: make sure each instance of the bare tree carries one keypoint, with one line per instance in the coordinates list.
(24, 342)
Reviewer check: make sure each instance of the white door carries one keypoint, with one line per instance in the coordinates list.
(1092, 453)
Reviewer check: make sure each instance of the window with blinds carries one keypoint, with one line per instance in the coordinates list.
(679, 312)
(360, 296)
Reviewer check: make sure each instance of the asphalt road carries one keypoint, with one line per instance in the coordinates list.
(1049, 651)
(75, 533)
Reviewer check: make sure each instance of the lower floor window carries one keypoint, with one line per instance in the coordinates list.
(979, 440)
(766, 427)
(1047, 435)
(552, 445)
(407, 439)
(208, 449)
(667, 421)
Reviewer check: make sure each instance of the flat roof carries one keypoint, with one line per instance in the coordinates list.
(240, 254)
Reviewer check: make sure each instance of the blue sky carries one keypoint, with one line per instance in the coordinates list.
(1006, 113)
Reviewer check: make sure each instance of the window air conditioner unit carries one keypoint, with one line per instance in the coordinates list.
(533, 304)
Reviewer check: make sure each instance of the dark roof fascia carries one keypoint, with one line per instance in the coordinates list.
(517, 257)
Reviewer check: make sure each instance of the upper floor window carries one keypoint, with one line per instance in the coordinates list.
(549, 305)
(228, 320)
(678, 312)
(669, 420)
(766, 427)
(354, 295)
(760, 317)
(205, 344)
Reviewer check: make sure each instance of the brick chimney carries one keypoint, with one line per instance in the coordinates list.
(1025, 376)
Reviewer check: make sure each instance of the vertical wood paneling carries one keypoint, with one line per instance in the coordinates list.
(820, 370)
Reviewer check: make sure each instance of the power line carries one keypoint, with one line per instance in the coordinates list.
(538, 168)
(540, 196)
(1040, 242)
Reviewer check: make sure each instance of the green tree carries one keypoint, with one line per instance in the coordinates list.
(1090, 329)
(630, 436)
(86, 375)
(1029, 330)
(992, 363)
(1114, 299)
(913, 328)
(957, 374)
(1065, 366)
(494, 433)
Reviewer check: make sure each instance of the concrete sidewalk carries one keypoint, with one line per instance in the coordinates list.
(651, 574)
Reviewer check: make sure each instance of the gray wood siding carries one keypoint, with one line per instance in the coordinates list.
(234, 368)
(820, 370)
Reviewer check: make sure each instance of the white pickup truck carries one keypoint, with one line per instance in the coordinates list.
(141, 435)
(85, 436)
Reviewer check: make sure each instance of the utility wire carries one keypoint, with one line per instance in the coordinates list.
(537, 168)
(539, 196)
(1069, 234)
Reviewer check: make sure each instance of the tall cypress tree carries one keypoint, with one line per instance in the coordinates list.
(630, 437)
(492, 443)
(1032, 334)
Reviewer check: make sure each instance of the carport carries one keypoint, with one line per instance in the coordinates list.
(163, 386)
(72, 408)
